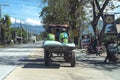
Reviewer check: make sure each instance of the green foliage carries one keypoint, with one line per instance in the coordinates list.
(5, 29)
(43, 35)
(55, 12)
(20, 32)
(9, 33)
(75, 12)
(107, 37)
(7, 20)
(64, 12)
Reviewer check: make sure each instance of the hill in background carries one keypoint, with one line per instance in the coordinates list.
(35, 29)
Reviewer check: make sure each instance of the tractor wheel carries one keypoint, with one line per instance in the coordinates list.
(46, 58)
(73, 59)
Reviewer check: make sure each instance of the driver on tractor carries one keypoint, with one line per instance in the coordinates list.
(63, 37)
(51, 35)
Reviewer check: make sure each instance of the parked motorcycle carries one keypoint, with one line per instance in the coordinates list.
(98, 50)
(113, 50)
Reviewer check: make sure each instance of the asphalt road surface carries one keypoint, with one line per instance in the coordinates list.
(26, 63)
(9, 57)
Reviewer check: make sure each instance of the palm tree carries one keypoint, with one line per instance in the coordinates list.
(5, 27)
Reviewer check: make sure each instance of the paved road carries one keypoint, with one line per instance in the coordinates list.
(9, 57)
(96, 62)
(88, 67)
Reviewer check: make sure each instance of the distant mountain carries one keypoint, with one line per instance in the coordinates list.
(30, 28)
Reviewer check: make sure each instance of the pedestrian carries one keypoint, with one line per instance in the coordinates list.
(111, 49)
(76, 34)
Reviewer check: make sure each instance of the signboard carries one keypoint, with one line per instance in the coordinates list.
(118, 28)
(109, 19)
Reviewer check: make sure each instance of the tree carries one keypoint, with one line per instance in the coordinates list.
(98, 11)
(73, 12)
(5, 28)
(17, 31)
(64, 12)
(76, 18)
(54, 12)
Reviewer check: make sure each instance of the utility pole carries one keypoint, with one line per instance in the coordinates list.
(26, 26)
(21, 30)
(15, 39)
(27, 31)
(0, 20)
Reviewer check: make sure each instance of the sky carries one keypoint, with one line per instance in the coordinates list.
(25, 10)
(116, 11)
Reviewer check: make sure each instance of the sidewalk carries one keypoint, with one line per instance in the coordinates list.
(33, 69)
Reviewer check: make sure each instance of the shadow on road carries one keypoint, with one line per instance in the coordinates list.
(97, 62)
(37, 62)
(10, 60)
(33, 61)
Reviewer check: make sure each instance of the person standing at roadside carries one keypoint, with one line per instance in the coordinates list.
(111, 48)
(76, 34)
